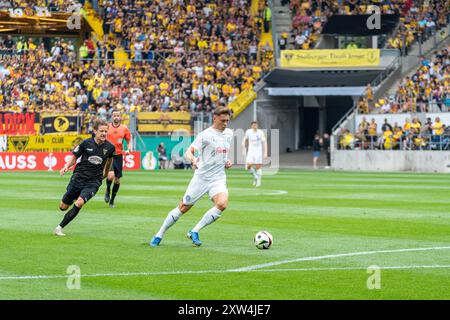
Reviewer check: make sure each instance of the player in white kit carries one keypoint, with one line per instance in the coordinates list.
(213, 147)
(256, 141)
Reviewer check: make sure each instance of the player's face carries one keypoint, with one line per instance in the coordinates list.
(221, 121)
(101, 133)
(117, 117)
(254, 126)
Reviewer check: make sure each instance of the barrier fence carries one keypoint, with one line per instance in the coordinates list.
(349, 141)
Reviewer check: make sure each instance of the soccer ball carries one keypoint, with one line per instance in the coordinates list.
(263, 240)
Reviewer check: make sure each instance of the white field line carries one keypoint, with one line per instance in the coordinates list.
(330, 256)
(140, 274)
(254, 268)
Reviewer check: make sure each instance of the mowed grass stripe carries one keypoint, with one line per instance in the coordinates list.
(322, 213)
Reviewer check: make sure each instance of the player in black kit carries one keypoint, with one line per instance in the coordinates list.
(95, 156)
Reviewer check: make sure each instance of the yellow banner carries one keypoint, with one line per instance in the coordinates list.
(45, 143)
(242, 101)
(164, 121)
(330, 58)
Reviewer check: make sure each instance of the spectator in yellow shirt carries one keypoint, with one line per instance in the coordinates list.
(407, 125)
(438, 127)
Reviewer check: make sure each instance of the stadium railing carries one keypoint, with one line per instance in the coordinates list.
(394, 65)
(147, 55)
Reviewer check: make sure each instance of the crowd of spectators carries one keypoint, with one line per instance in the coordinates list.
(413, 135)
(188, 56)
(52, 5)
(418, 19)
(428, 87)
(205, 49)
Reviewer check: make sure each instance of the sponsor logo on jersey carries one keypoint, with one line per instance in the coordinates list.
(221, 150)
(95, 160)
(105, 151)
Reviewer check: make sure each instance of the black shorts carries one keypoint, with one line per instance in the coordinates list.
(84, 189)
(117, 166)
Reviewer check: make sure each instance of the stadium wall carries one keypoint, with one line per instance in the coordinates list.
(391, 161)
(148, 147)
(280, 113)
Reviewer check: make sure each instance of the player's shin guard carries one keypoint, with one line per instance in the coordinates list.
(108, 186)
(259, 173)
(69, 216)
(253, 171)
(209, 217)
(114, 191)
(172, 217)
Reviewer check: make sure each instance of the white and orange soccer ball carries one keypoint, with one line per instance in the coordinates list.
(263, 240)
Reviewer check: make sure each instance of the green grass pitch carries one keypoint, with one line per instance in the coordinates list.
(328, 228)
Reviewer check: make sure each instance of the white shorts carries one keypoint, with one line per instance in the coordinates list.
(254, 158)
(198, 187)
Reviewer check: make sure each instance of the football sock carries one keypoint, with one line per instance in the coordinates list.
(172, 217)
(69, 216)
(253, 171)
(259, 173)
(108, 186)
(210, 216)
(114, 191)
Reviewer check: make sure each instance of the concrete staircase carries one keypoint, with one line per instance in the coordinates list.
(96, 23)
(281, 19)
(93, 20)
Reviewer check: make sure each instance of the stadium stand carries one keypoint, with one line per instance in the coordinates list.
(418, 19)
(415, 135)
(426, 90)
(52, 5)
(187, 56)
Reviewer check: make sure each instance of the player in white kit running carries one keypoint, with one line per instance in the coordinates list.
(213, 147)
(256, 141)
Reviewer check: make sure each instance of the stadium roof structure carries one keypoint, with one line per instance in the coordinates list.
(57, 23)
(282, 82)
(357, 25)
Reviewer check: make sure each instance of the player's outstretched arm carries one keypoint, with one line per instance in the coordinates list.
(107, 167)
(129, 140)
(68, 165)
(244, 146)
(265, 149)
(189, 155)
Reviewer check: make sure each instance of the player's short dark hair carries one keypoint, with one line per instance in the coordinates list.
(100, 122)
(222, 110)
(253, 122)
(116, 110)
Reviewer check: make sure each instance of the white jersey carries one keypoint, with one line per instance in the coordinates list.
(255, 141)
(214, 147)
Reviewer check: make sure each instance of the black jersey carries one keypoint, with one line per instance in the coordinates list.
(91, 159)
